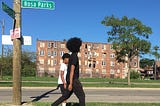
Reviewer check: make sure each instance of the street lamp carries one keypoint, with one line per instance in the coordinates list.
(2, 23)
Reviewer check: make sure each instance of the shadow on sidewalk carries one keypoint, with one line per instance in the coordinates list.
(37, 98)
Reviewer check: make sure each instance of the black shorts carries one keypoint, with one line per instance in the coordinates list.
(62, 88)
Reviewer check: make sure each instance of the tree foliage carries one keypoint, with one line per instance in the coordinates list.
(146, 63)
(128, 37)
(155, 53)
(28, 63)
(135, 74)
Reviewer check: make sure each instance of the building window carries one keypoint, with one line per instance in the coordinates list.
(85, 63)
(54, 62)
(135, 57)
(89, 54)
(97, 70)
(41, 53)
(92, 46)
(86, 46)
(49, 53)
(94, 64)
(111, 71)
(90, 65)
(103, 63)
(97, 62)
(54, 53)
(104, 47)
(41, 61)
(112, 63)
(61, 53)
(97, 54)
(118, 71)
(49, 62)
(86, 54)
(112, 55)
(62, 45)
(55, 45)
(42, 44)
(103, 71)
(135, 64)
(94, 54)
(49, 45)
(104, 55)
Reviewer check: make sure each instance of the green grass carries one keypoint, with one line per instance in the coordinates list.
(91, 104)
(103, 104)
(87, 82)
(9, 78)
(45, 84)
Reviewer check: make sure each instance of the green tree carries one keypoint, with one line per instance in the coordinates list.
(146, 63)
(128, 37)
(7, 62)
(156, 54)
(28, 63)
(135, 74)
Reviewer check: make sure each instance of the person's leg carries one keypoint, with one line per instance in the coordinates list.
(58, 86)
(64, 97)
(62, 88)
(63, 92)
(78, 90)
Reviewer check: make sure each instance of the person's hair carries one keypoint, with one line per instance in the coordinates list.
(65, 55)
(74, 44)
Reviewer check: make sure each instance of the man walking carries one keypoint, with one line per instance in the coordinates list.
(62, 75)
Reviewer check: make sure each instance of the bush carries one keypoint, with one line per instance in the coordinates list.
(134, 74)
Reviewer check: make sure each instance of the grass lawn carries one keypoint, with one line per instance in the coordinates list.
(103, 104)
(9, 78)
(89, 104)
(87, 82)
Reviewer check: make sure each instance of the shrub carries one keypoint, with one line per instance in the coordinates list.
(134, 74)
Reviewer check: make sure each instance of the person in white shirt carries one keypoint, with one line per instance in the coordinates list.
(62, 75)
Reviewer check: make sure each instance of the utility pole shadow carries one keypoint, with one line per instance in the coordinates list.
(37, 98)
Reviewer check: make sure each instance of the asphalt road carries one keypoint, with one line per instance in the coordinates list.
(151, 95)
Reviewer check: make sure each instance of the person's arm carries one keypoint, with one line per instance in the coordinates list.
(62, 78)
(71, 77)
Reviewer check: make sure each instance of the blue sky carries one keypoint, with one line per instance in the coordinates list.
(82, 18)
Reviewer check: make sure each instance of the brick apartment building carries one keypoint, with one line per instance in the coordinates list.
(95, 59)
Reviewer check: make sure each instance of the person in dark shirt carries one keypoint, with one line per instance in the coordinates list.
(72, 78)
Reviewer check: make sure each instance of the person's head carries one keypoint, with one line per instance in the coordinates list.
(74, 44)
(65, 58)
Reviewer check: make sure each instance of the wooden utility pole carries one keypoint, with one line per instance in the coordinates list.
(17, 96)
(2, 50)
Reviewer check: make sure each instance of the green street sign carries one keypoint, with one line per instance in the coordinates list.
(8, 10)
(38, 4)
